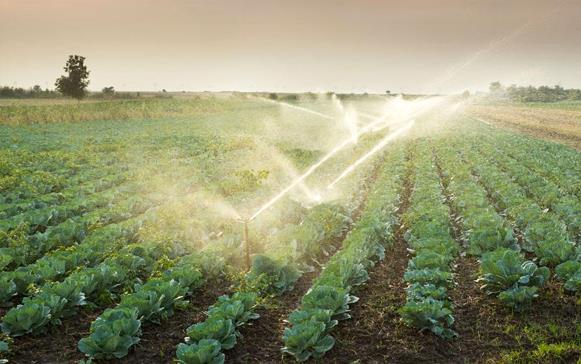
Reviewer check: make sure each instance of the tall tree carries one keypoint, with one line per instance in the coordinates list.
(77, 79)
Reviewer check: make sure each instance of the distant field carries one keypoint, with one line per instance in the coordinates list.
(121, 231)
(560, 122)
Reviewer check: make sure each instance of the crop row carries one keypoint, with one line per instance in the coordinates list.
(289, 253)
(543, 232)
(503, 269)
(328, 300)
(428, 273)
(22, 185)
(20, 249)
(59, 263)
(79, 189)
(555, 162)
(117, 329)
(541, 190)
(272, 273)
(293, 249)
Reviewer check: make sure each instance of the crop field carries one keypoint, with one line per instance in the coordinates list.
(238, 228)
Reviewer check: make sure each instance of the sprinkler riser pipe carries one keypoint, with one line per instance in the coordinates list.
(246, 247)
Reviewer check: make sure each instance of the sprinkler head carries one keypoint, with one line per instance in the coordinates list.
(243, 220)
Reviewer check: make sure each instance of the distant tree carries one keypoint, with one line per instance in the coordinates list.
(495, 87)
(466, 94)
(36, 89)
(108, 91)
(272, 96)
(77, 79)
(388, 92)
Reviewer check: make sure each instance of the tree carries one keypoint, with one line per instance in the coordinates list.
(76, 82)
(495, 87)
(108, 91)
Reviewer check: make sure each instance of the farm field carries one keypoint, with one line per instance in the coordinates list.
(407, 230)
(560, 123)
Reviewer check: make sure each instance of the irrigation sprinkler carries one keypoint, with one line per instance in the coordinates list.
(246, 243)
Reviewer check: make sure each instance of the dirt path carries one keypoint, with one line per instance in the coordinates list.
(262, 339)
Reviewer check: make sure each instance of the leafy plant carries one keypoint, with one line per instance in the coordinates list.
(7, 289)
(304, 340)
(418, 292)
(223, 331)
(26, 318)
(503, 269)
(237, 308)
(570, 273)
(206, 351)
(429, 314)
(519, 298)
(505, 272)
(428, 276)
(329, 298)
(112, 334)
(281, 276)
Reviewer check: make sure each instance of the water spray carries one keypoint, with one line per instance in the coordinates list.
(295, 107)
(389, 138)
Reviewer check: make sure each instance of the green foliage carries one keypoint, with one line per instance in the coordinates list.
(519, 298)
(153, 301)
(238, 308)
(428, 276)
(429, 314)
(206, 351)
(570, 273)
(7, 289)
(418, 292)
(25, 319)
(112, 334)
(309, 333)
(244, 181)
(329, 298)
(221, 330)
(77, 79)
(280, 276)
(304, 340)
(4, 351)
(505, 272)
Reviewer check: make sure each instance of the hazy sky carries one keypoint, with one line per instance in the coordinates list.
(357, 45)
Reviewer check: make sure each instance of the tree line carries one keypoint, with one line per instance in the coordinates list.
(534, 94)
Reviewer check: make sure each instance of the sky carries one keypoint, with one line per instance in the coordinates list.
(412, 46)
